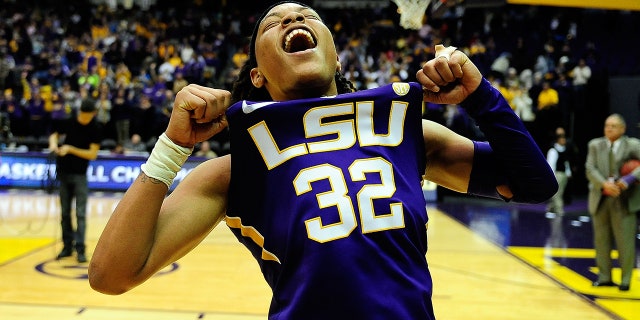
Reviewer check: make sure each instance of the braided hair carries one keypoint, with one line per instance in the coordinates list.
(243, 88)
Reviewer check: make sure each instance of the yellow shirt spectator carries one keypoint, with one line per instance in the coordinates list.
(548, 97)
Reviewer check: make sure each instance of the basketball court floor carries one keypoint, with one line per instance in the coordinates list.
(489, 260)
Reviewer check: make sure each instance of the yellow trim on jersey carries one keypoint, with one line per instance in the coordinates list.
(253, 234)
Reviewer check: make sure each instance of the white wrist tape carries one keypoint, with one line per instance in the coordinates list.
(446, 52)
(165, 160)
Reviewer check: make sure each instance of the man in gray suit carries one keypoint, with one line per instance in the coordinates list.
(613, 199)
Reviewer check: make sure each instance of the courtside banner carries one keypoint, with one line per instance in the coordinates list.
(34, 170)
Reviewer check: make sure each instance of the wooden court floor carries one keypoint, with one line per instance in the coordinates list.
(474, 276)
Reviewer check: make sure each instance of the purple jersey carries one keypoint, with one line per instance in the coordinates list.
(338, 222)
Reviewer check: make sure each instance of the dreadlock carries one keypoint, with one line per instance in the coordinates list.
(343, 84)
(243, 88)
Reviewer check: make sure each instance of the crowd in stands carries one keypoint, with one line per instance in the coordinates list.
(545, 60)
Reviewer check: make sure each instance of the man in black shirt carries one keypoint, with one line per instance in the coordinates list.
(82, 136)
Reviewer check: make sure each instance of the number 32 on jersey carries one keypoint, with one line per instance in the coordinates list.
(343, 135)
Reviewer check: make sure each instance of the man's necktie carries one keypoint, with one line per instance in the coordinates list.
(612, 160)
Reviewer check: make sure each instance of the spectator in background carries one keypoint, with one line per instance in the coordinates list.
(179, 82)
(59, 112)
(38, 116)
(144, 118)
(122, 75)
(547, 114)
(501, 64)
(558, 157)
(522, 105)
(580, 75)
(135, 144)
(548, 97)
(82, 137)
(205, 150)
(103, 107)
(70, 98)
(121, 111)
(6, 66)
(545, 62)
(19, 123)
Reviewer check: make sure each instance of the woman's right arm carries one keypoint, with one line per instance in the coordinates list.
(147, 231)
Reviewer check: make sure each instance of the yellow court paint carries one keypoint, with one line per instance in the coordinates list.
(626, 305)
(626, 309)
(13, 248)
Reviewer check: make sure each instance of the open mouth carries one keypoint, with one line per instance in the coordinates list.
(298, 40)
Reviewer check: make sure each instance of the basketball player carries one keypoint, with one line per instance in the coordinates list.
(338, 211)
